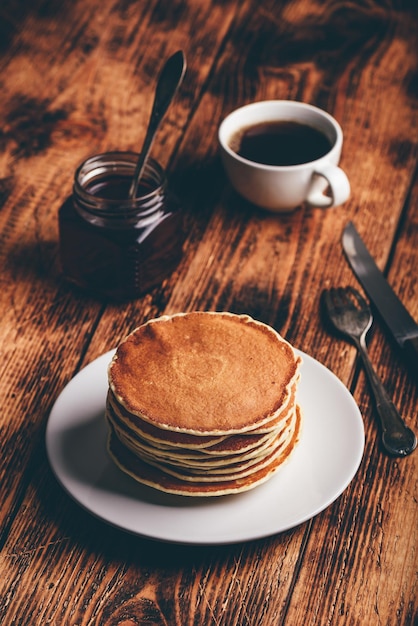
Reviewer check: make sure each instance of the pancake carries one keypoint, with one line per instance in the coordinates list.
(236, 448)
(230, 444)
(151, 476)
(209, 471)
(203, 403)
(158, 435)
(204, 373)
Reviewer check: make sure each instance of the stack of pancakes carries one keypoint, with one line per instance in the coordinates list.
(203, 403)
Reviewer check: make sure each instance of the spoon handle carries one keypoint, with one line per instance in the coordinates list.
(168, 82)
(397, 438)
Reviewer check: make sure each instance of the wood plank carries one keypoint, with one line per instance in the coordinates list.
(51, 125)
(362, 554)
(80, 571)
(76, 570)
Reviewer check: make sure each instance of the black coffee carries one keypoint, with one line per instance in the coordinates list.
(280, 142)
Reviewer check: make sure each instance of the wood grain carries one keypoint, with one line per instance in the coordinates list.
(77, 78)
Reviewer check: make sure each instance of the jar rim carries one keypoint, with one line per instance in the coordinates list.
(107, 164)
(123, 212)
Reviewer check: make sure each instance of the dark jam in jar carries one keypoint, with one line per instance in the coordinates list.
(113, 246)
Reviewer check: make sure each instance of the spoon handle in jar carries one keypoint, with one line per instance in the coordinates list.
(168, 82)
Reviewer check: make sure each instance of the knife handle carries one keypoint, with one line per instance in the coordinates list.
(411, 350)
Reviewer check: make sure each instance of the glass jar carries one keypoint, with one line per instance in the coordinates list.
(113, 246)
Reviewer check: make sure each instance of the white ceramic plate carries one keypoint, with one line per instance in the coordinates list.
(319, 470)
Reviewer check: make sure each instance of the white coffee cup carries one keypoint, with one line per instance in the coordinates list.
(283, 188)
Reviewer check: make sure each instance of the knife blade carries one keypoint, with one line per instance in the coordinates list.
(399, 322)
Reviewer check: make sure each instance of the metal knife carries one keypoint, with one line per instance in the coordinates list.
(400, 323)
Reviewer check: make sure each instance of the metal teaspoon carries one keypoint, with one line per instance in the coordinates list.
(168, 82)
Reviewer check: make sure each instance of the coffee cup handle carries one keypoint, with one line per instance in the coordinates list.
(331, 179)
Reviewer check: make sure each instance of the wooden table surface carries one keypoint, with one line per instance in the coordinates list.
(77, 78)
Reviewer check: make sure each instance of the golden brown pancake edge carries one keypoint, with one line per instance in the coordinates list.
(204, 373)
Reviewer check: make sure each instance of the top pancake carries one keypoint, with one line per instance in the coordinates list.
(204, 373)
